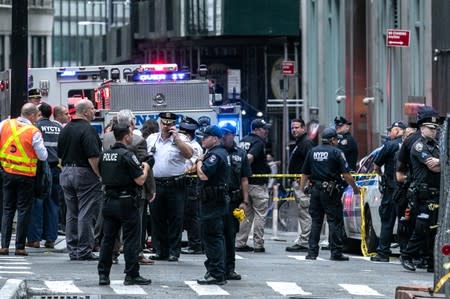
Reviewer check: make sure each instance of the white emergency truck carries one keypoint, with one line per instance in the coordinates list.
(147, 90)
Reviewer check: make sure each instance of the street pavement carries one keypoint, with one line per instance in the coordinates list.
(274, 274)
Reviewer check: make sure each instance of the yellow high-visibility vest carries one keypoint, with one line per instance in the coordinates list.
(17, 155)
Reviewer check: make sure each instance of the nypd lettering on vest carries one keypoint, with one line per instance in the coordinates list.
(320, 156)
(110, 157)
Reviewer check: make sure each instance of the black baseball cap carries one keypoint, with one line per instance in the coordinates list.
(328, 133)
(399, 124)
(259, 123)
(340, 120)
(213, 131)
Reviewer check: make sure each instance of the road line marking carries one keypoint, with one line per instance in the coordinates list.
(14, 263)
(206, 290)
(62, 286)
(287, 288)
(360, 289)
(11, 258)
(15, 267)
(121, 289)
(10, 287)
(238, 257)
(302, 258)
(15, 272)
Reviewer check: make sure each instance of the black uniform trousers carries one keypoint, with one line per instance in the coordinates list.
(192, 218)
(18, 194)
(120, 213)
(406, 223)
(167, 218)
(388, 215)
(231, 227)
(422, 239)
(323, 203)
(214, 245)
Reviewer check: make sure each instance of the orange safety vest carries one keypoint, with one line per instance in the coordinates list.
(17, 154)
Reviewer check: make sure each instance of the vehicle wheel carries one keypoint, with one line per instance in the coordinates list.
(371, 237)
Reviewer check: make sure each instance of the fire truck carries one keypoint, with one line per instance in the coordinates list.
(145, 89)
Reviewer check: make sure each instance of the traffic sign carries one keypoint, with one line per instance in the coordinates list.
(288, 68)
(397, 38)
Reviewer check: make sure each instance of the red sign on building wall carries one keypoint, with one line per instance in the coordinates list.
(288, 67)
(397, 38)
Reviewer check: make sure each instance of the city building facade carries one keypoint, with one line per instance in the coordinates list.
(40, 24)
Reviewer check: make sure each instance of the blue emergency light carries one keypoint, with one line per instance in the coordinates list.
(67, 73)
(233, 119)
(149, 77)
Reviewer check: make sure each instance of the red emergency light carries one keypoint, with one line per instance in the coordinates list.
(445, 249)
(2, 85)
(163, 67)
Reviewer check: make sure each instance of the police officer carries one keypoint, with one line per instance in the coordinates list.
(388, 208)
(404, 175)
(346, 142)
(170, 150)
(188, 126)
(323, 167)
(426, 183)
(121, 174)
(44, 213)
(254, 144)
(213, 169)
(238, 188)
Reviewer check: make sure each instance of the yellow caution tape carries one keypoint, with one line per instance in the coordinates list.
(364, 249)
(440, 283)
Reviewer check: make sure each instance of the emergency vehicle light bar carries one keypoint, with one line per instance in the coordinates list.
(162, 77)
(165, 67)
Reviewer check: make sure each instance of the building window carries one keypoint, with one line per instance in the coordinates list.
(119, 42)
(38, 51)
(2, 53)
(169, 15)
(151, 16)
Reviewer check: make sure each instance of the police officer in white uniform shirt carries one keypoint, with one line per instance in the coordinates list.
(170, 150)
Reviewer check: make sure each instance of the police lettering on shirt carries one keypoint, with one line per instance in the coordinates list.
(110, 157)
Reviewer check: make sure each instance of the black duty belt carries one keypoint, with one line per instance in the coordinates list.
(72, 164)
(169, 179)
(53, 164)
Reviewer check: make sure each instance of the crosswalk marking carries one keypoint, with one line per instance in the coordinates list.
(14, 267)
(360, 289)
(10, 287)
(121, 289)
(287, 288)
(302, 258)
(14, 263)
(16, 272)
(206, 290)
(62, 286)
